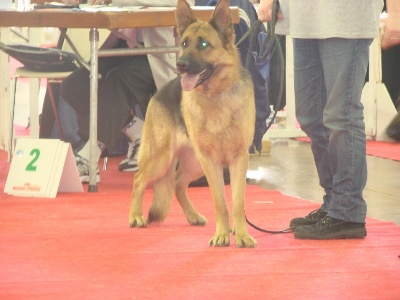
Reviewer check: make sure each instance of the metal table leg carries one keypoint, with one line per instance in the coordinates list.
(94, 39)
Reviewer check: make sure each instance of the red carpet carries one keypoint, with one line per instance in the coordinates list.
(79, 246)
(384, 149)
(387, 150)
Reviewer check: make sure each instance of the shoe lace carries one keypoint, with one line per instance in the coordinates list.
(326, 220)
(82, 165)
(313, 212)
(133, 149)
(318, 213)
(325, 223)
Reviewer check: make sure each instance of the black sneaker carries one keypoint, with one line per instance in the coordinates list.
(130, 164)
(329, 228)
(312, 218)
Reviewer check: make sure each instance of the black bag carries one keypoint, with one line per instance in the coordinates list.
(42, 59)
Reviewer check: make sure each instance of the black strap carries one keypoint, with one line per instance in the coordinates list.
(287, 230)
(273, 46)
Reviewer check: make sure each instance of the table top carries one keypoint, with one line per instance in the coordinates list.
(75, 18)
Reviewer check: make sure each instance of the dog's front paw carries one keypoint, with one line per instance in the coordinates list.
(245, 241)
(220, 240)
(197, 220)
(137, 221)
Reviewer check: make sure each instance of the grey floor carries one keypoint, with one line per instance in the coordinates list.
(290, 169)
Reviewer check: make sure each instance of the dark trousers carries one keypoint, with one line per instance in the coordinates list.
(391, 72)
(125, 81)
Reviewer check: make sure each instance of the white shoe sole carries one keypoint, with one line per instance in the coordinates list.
(85, 178)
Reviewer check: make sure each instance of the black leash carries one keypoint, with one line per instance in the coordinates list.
(287, 230)
(273, 46)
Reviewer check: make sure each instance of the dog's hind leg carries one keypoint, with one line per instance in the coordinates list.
(150, 170)
(136, 218)
(163, 191)
(189, 169)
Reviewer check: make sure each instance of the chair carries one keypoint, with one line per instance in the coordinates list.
(79, 38)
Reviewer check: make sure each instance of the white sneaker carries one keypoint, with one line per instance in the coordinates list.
(129, 164)
(133, 130)
(82, 165)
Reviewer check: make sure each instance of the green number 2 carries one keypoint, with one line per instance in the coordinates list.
(31, 166)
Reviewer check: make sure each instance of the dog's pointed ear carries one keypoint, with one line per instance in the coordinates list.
(221, 19)
(184, 16)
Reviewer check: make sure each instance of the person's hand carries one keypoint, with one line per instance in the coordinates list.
(71, 2)
(391, 31)
(264, 11)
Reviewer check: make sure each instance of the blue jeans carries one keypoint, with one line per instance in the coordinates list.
(329, 75)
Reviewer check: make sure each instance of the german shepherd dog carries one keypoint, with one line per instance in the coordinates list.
(197, 124)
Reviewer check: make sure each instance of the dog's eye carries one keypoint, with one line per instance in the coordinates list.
(203, 44)
(184, 44)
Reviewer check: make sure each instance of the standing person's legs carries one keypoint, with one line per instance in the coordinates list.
(310, 95)
(339, 144)
(345, 63)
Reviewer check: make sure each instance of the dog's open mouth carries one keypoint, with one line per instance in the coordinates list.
(190, 81)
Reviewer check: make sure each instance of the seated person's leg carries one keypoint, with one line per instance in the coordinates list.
(128, 84)
(47, 117)
(75, 90)
(145, 88)
(134, 131)
(133, 85)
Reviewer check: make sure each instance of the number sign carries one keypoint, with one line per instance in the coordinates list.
(41, 167)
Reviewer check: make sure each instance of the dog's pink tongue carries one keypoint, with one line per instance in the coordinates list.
(188, 81)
